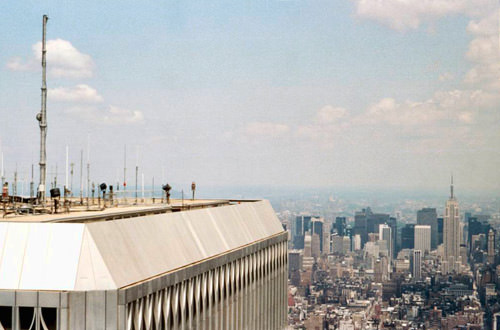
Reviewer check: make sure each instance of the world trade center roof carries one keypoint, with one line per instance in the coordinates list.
(112, 254)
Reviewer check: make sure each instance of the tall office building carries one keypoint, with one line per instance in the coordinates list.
(491, 247)
(440, 222)
(428, 216)
(385, 234)
(295, 260)
(315, 246)
(393, 223)
(416, 265)
(451, 231)
(327, 242)
(477, 225)
(301, 225)
(307, 245)
(423, 238)
(341, 225)
(317, 227)
(408, 236)
(360, 225)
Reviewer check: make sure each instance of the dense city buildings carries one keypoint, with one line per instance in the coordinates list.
(373, 279)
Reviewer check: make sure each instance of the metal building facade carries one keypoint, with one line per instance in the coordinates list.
(216, 268)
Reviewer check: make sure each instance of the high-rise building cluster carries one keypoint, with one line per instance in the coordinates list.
(373, 270)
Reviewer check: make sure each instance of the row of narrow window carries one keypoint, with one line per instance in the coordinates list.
(190, 296)
(188, 300)
(28, 318)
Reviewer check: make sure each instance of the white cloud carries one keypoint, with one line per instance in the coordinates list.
(81, 93)
(63, 60)
(116, 115)
(265, 129)
(484, 49)
(484, 52)
(329, 114)
(110, 115)
(447, 76)
(456, 100)
(17, 64)
(410, 14)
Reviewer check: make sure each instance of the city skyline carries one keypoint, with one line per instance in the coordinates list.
(286, 93)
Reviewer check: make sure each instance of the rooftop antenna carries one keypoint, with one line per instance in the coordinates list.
(72, 171)
(66, 176)
(32, 185)
(88, 169)
(81, 177)
(42, 119)
(3, 173)
(14, 188)
(142, 187)
(136, 175)
(125, 173)
(451, 187)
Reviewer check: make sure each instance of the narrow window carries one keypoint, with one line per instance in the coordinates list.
(26, 318)
(49, 318)
(6, 317)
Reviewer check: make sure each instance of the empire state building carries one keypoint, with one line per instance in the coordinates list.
(451, 233)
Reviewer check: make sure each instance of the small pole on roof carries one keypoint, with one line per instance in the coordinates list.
(136, 182)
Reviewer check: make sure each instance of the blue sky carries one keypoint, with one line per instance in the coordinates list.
(317, 93)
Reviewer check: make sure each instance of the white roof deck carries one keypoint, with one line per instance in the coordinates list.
(105, 255)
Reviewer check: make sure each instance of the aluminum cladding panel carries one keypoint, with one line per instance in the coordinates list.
(38, 256)
(136, 249)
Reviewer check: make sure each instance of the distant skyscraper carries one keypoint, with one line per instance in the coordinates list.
(451, 231)
(356, 242)
(349, 233)
(408, 236)
(295, 260)
(423, 238)
(315, 245)
(360, 225)
(317, 227)
(417, 264)
(477, 226)
(491, 247)
(326, 242)
(307, 245)
(340, 225)
(385, 234)
(428, 216)
(440, 222)
(301, 225)
(393, 223)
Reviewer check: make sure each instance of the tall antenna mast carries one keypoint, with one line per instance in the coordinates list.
(42, 119)
(81, 177)
(451, 187)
